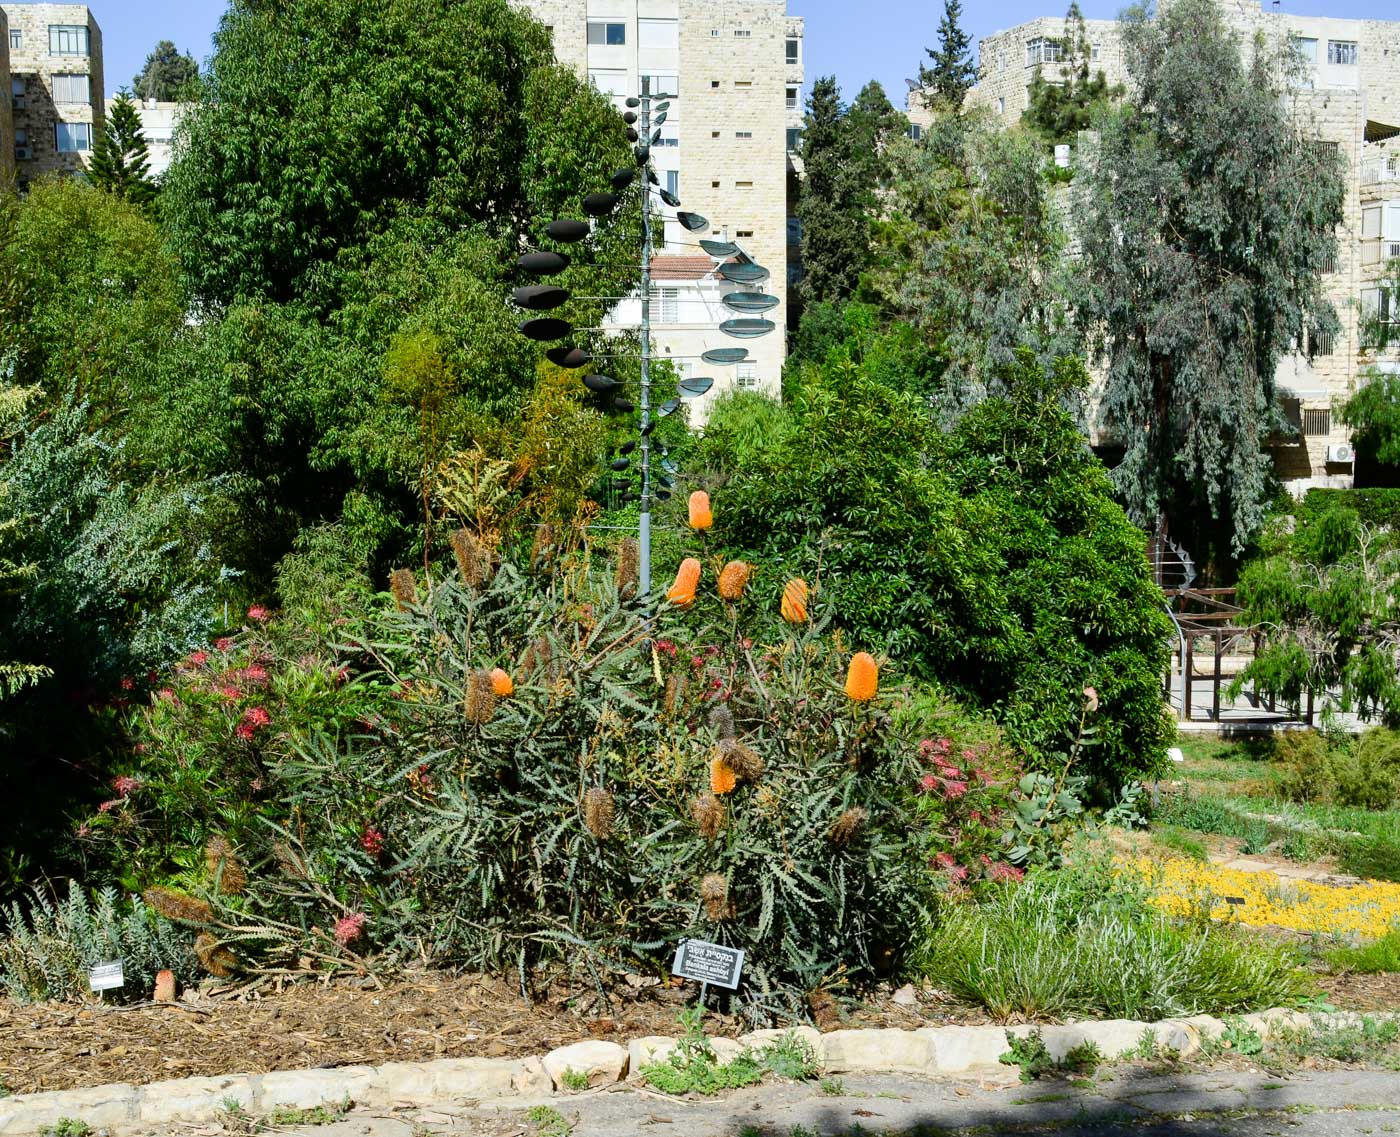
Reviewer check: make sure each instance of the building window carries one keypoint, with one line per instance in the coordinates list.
(1378, 313)
(743, 134)
(669, 137)
(744, 233)
(742, 33)
(610, 35)
(792, 98)
(1001, 61)
(16, 39)
(743, 185)
(916, 131)
(612, 83)
(71, 89)
(1001, 106)
(673, 182)
(667, 85)
(1306, 48)
(17, 93)
(1341, 52)
(714, 33)
(714, 134)
(73, 137)
(743, 83)
(714, 185)
(714, 84)
(68, 39)
(1319, 343)
(794, 139)
(1317, 423)
(1094, 52)
(1041, 50)
(791, 50)
(22, 151)
(670, 301)
(746, 376)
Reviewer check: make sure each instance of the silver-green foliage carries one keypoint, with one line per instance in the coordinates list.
(46, 953)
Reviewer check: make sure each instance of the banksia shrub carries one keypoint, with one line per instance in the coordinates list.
(598, 812)
(848, 826)
(682, 592)
(722, 722)
(480, 703)
(699, 515)
(747, 766)
(404, 586)
(733, 579)
(177, 906)
(673, 698)
(213, 956)
(722, 777)
(628, 566)
(473, 558)
(708, 812)
(714, 893)
(501, 683)
(223, 865)
(794, 602)
(862, 677)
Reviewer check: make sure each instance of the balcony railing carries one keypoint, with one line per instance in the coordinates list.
(1380, 169)
(1379, 250)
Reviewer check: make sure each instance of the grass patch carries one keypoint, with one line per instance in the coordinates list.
(575, 1081)
(66, 1127)
(1368, 959)
(1360, 1040)
(1180, 842)
(832, 1087)
(548, 1121)
(1085, 941)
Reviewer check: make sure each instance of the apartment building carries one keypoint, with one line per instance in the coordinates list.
(54, 84)
(159, 121)
(1349, 98)
(733, 69)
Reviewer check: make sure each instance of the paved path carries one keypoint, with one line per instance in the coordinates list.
(1128, 1101)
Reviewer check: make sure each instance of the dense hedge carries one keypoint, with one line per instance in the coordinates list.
(1376, 506)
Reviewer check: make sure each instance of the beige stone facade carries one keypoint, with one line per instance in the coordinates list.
(54, 87)
(735, 70)
(1349, 97)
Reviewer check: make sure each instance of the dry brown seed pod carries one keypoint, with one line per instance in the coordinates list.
(708, 812)
(629, 561)
(224, 866)
(722, 722)
(846, 827)
(473, 558)
(480, 704)
(404, 585)
(714, 892)
(177, 905)
(543, 548)
(747, 765)
(215, 958)
(598, 811)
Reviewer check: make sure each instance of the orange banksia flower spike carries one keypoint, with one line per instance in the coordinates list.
(722, 777)
(794, 604)
(682, 593)
(862, 677)
(502, 683)
(733, 579)
(699, 515)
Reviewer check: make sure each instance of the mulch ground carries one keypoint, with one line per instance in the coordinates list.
(54, 1046)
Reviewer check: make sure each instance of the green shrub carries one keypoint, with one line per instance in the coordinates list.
(1381, 955)
(1085, 942)
(47, 953)
(1303, 755)
(1364, 774)
(1371, 857)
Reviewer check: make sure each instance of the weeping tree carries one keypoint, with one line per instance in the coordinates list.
(1206, 216)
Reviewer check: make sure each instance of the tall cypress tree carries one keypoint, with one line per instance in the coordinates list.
(831, 210)
(121, 162)
(1205, 218)
(953, 72)
(872, 124)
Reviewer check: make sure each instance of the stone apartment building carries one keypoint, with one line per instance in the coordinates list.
(159, 121)
(734, 71)
(52, 76)
(1349, 98)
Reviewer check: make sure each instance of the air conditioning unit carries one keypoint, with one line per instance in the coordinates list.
(24, 153)
(1341, 452)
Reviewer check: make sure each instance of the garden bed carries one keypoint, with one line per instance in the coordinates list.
(55, 1046)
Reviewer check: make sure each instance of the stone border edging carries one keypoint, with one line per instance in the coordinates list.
(925, 1051)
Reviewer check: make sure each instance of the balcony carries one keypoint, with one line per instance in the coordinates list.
(1379, 250)
(1376, 170)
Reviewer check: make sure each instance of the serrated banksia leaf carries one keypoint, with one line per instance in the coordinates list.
(862, 677)
(794, 602)
(708, 812)
(598, 812)
(480, 703)
(698, 513)
(404, 586)
(722, 777)
(682, 592)
(177, 906)
(732, 580)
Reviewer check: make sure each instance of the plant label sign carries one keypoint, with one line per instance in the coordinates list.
(107, 976)
(705, 962)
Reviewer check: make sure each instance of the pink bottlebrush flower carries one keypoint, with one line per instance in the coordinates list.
(945, 860)
(926, 748)
(697, 662)
(84, 830)
(125, 785)
(348, 928)
(229, 691)
(256, 785)
(666, 647)
(958, 872)
(954, 790)
(166, 695)
(969, 755)
(253, 719)
(128, 683)
(151, 677)
(197, 658)
(223, 644)
(258, 614)
(1003, 871)
(140, 748)
(254, 674)
(928, 783)
(372, 841)
(108, 806)
(975, 817)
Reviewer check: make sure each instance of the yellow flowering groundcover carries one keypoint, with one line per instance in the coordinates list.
(1182, 887)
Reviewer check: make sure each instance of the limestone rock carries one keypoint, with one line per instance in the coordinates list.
(601, 1062)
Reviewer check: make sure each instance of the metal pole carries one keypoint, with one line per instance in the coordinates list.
(644, 525)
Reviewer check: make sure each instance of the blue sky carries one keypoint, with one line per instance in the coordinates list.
(878, 39)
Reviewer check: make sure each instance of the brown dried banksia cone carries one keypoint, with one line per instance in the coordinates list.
(708, 812)
(473, 558)
(480, 703)
(598, 812)
(177, 906)
(673, 699)
(404, 585)
(213, 956)
(733, 579)
(747, 766)
(288, 861)
(722, 722)
(825, 1012)
(629, 559)
(846, 827)
(714, 892)
(542, 550)
(223, 865)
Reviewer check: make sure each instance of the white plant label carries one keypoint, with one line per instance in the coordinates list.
(107, 976)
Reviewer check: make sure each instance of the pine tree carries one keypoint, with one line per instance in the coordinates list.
(835, 226)
(167, 76)
(872, 124)
(953, 72)
(1059, 111)
(121, 163)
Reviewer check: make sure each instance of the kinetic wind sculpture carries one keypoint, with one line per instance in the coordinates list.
(644, 117)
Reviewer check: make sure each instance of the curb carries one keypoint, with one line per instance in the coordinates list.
(925, 1051)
